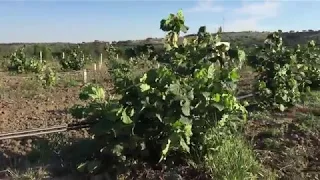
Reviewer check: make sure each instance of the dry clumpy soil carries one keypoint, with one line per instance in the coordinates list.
(284, 145)
(24, 104)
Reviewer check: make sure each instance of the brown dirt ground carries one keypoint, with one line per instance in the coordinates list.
(26, 105)
(23, 105)
(288, 143)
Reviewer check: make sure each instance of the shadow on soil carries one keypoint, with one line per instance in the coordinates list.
(49, 156)
(290, 146)
(57, 157)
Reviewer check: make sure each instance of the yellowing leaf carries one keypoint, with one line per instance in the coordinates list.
(144, 87)
(125, 118)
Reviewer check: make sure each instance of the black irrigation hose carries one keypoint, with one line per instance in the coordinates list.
(48, 130)
(62, 128)
(245, 96)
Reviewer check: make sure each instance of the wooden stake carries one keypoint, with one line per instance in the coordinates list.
(95, 71)
(85, 76)
(100, 64)
(40, 56)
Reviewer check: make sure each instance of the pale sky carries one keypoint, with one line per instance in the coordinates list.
(114, 20)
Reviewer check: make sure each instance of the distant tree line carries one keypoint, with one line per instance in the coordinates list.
(133, 48)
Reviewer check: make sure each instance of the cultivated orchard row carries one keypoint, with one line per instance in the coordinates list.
(72, 59)
(182, 107)
(182, 102)
(284, 75)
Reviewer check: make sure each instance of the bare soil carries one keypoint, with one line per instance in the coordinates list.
(288, 143)
(24, 105)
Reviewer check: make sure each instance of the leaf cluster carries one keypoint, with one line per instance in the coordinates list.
(21, 64)
(75, 59)
(281, 80)
(47, 77)
(111, 52)
(141, 51)
(309, 55)
(123, 72)
(168, 109)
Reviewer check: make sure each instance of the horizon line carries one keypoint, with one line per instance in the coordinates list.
(105, 41)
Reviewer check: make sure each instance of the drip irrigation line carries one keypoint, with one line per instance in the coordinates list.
(245, 96)
(67, 127)
(48, 130)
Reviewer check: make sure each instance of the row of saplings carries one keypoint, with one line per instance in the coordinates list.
(170, 114)
(73, 58)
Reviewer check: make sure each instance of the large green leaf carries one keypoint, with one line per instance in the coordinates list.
(144, 87)
(125, 118)
(220, 107)
(186, 107)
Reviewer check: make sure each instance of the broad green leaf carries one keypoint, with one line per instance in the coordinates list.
(177, 124)
(281, 107)
(125, 118)
(188, 132)
(191, 94)
(312, 43)
(199, 74)
(220, 107)
(186, 108)
(184, 145)
(206, 95)
(143, 78)
(184, 28)
(99, 93)
(216, 97)
(163, 25)
(131, 112)
(185, 120)
(144, 87)
(223, 120)
(234, 75)
(211, 71)
(180, 15)
(202, 29)
(174, 89)
(92, 91)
